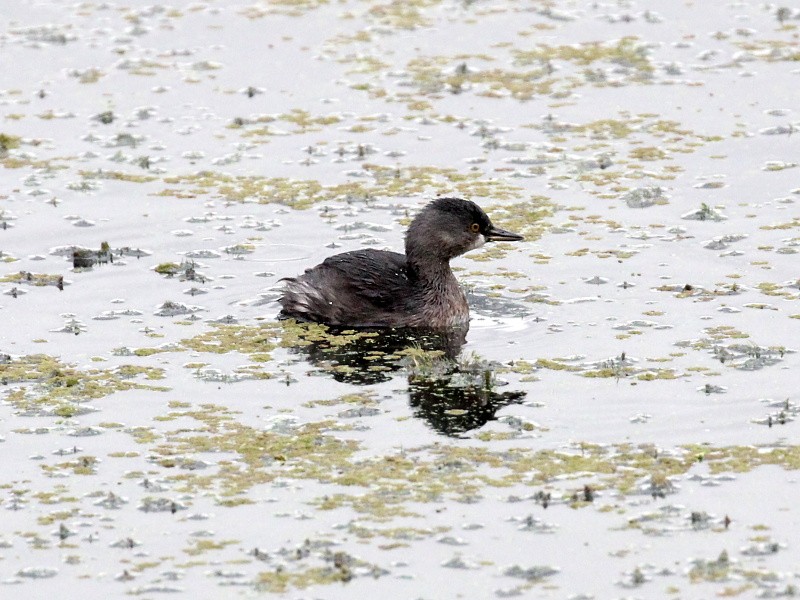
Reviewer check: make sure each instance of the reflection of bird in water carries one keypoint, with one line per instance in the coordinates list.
(463, 400)
(451, 395)
(367, 356)
(376, 288)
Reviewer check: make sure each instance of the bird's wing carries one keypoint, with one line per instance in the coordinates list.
(363, 287)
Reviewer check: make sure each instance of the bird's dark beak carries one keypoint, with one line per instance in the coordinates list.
(495, 234)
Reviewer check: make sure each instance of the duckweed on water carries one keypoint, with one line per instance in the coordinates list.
(741, 459)
(290, 8)
(387, 483)
(304, 193)
(261, 456)
(795, 222)
(116, 176)
(39, 382)
(167, 268)
(493, 252)
(555, 365)
(203, 546)
(35, 279)
(360, 399)
(434, 74)
(628, 51)
(8, 142)
(527, 218)
(280, 581)
(259, 341)
(305, 122)
(220, 339)
(431, 75)
(85, 465)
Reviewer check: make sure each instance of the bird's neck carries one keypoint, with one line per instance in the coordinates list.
(434, 272)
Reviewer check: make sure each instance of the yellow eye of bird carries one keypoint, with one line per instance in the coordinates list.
(475, 228)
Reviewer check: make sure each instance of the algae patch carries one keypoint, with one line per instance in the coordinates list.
(42, 384)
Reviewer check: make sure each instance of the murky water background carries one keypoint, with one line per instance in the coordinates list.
(620, 420)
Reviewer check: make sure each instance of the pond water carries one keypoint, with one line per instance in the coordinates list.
(619, 420)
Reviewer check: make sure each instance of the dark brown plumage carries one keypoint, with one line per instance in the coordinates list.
(377, 288)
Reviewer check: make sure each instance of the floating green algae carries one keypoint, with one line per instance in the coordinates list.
(260, 456)
(117, 176)
(795, 222)
(555, 365)
(84, 465)
(716, 570)
(627, 51)
(528, 218)
(35, 279)
(247, 339)
(8, 142)
(40, 382)
(303, 121)
(461, 472)
(280, 581)
(741, 459)
(385, 487)
(432, 75)
(358, 399)
(202, 546)
(304, 193)
(330, 348)
(532, 73)
(291, 8)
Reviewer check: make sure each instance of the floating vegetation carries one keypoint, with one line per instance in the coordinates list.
(39, 382)
(170, 308)
(302, 120)
(432, 75)
(291, 8)
(645, 197)
(534, 72)
(34, 279)
(529, 218)
(300, 194)
(83, 258)
(185, 270)
(8, 142)
(116, 176)
(704, 213)
(627, 52)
